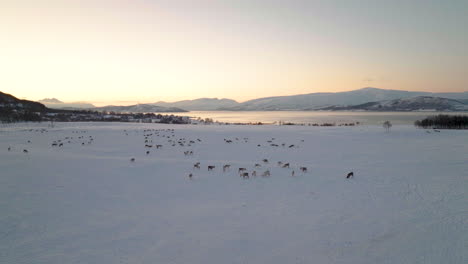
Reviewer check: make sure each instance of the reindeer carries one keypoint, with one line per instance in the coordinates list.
(303, 169)
(147, 152)
(265, 160)
(286, 165)
(245, 175)
(9, 148)
(132, 159)
(292, 173)
(211, 167)
(254, 173)
(226, 167)
(351, 174)
(257, 165)
(190, 175)
(159, 146)
(266, 173)
(280, 163)
(241, 170)
(25, 151)
(197, 165)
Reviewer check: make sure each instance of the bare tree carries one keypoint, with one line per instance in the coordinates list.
(387, 125)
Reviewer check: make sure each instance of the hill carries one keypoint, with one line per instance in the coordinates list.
(8, 101)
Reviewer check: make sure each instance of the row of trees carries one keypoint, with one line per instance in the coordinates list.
(444, 121)
(8, 115)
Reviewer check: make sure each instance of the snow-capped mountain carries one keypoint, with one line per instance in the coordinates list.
(423, 103)
(320, 100)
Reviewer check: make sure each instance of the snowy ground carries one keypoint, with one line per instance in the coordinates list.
(90, 204)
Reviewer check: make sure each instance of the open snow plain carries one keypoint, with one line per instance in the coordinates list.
(86, 202)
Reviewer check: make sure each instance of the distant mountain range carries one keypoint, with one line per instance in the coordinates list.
(57, 104)
(312, 101)
(139, 108)
(202, 104)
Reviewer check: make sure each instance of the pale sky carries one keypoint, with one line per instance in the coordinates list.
(149, 50)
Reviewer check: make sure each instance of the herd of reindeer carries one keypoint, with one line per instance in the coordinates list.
(243, 171)
(169, 136)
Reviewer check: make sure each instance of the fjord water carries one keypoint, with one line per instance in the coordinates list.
(338, 117)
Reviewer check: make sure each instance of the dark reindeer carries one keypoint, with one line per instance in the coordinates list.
(226, 167)
(286, 165)
(351, 174)
(211, 167)
(245, 175)
(303, 169)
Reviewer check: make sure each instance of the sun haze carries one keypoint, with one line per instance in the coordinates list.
(151, 50)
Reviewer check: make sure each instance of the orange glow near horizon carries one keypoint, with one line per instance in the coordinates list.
(106, 52)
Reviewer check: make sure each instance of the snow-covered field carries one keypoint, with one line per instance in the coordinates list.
(86, 202)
